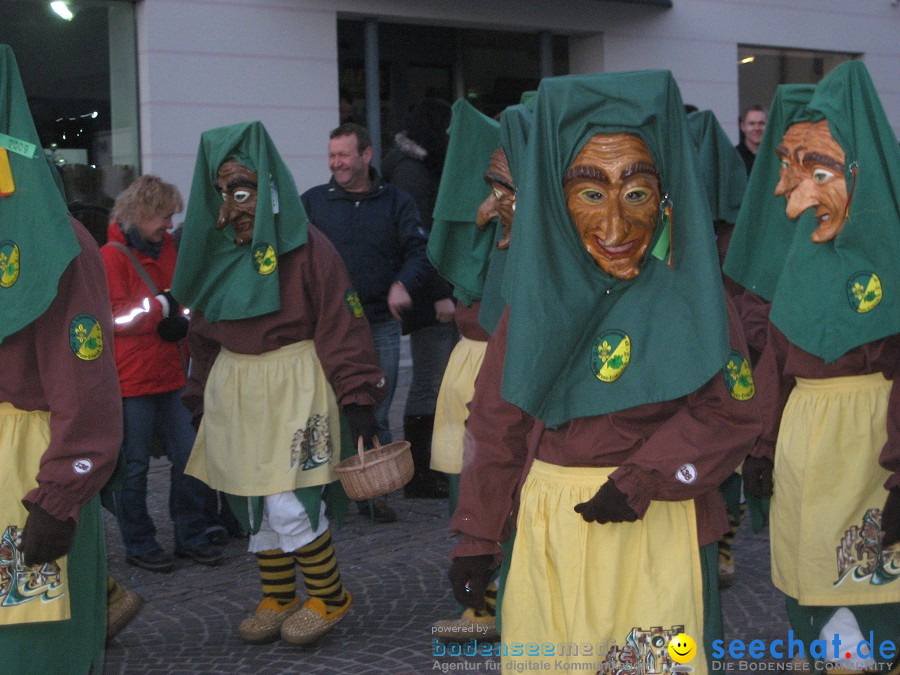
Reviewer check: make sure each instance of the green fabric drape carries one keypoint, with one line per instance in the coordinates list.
(831, 297)
(720, 165)
(36, 238)
(515, 125)
(755, 261)
(458, 250)
(215, 275)
(563, 306)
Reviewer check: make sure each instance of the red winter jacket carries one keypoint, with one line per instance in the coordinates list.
(147, 364)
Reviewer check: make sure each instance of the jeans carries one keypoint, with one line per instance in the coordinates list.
(386, 335)
(165, 415)
(430, 348)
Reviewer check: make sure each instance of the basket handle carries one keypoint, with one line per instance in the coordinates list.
(360, 449)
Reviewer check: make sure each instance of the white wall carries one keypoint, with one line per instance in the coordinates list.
(697, 40)
(206, 63)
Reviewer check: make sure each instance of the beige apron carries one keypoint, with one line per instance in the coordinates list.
(826, 508)
(457, 389)
(40, 592)
(575, 588)
(270, 423)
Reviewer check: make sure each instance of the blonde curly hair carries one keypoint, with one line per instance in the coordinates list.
(147, 197)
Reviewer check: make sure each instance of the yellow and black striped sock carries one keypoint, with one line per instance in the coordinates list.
(318, 566)
(277, 574)
(734, 523)
(490, 597)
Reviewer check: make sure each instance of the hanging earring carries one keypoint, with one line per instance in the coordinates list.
(663, 248)
(854, 171)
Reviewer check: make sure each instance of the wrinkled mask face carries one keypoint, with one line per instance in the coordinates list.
(237, 184)
(613, 195)
(501, 202)
(812, 177)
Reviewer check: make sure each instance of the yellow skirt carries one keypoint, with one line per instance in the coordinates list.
(579, 593)
(451, 412)
(826, 508)
(270, 423)
(40, 592)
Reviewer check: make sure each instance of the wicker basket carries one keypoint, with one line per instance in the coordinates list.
(376, 472)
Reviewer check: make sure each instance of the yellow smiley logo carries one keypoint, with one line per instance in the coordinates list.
(682, 648)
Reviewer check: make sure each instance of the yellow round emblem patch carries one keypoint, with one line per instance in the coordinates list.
(610, 355)
(739, 377)
(85, 337)
(9, 263)
(351, 299)
(864, 291)
(264, 259)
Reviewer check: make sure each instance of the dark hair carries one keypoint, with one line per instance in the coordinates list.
(363, 140)
(426, 124)
(753, 108)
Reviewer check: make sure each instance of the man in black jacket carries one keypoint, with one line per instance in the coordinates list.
(377, 230)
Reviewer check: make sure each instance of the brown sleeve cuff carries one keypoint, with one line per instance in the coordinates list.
(470, 546)
(59, 504)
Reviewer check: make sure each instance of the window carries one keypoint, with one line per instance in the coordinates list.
(80, 80)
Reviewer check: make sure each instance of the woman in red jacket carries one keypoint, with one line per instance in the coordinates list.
(149, 326)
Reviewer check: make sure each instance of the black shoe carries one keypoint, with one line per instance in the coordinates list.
(383, 512)
(155, 561)
(208, 555)
(217, 535)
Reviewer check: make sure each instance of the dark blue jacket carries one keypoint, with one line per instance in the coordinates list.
(379, 235)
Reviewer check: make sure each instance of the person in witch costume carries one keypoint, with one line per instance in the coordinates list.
(828, 378)
(613, 372)
(725, 180)
(60, 411)
(278, 342)
(469, 247)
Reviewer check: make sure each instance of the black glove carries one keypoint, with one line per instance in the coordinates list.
(173, 328)
(609, 505)
(890, 518)
(362, 422)
(174, 306)
(757, 474)
(469, 576)
(44, 538)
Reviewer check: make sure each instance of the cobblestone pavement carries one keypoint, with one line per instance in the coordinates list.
(397, 576)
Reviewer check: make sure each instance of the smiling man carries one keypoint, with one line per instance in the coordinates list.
(378, 232)
(613, 369)
(753, 124)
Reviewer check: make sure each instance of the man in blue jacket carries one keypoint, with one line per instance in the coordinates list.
(377, 230)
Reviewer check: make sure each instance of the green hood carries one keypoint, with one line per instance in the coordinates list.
(832, 297)
(720, 165)
(36, 238)
(664, 333)
(215, 275)
(755, 260)
(458, 250)
(515, 125)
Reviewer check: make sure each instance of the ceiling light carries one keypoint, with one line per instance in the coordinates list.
(62, 9)
(749, 59)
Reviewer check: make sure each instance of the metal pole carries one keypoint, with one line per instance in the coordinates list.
(373, 95)
(545, 47)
